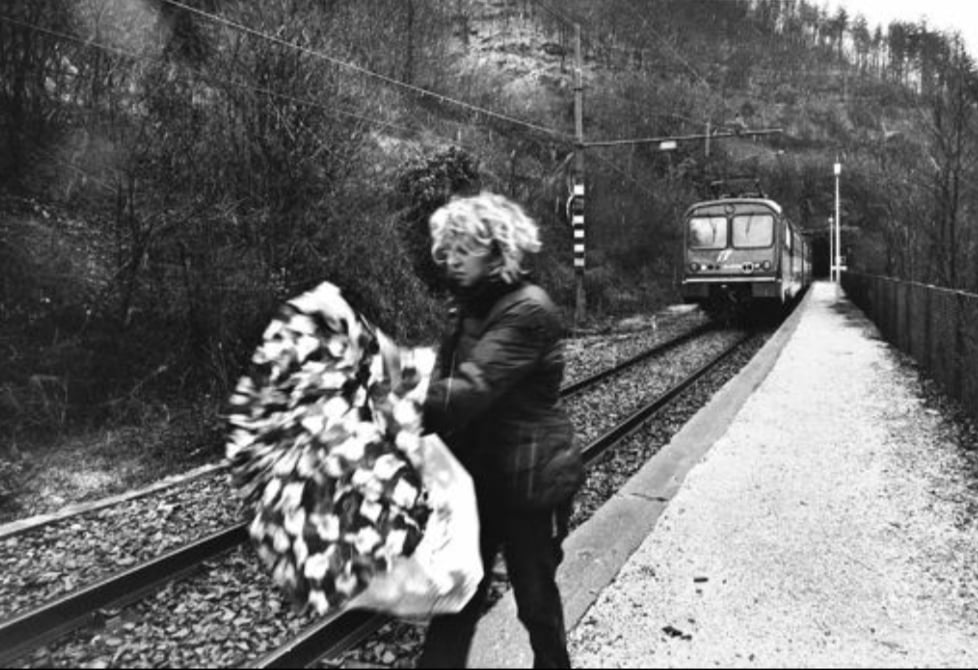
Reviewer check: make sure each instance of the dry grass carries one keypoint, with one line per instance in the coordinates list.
(82, 467)
(98, 463)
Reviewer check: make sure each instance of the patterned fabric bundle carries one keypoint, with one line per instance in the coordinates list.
(323, 448)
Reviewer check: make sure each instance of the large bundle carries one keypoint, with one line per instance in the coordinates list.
(324, 448)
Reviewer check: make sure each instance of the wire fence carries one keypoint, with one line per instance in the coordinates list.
(937, 327)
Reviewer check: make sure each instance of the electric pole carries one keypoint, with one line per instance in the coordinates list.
(577, 202)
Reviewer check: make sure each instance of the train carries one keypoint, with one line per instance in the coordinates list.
(742, 254)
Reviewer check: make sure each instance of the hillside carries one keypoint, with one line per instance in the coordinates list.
(171, 174)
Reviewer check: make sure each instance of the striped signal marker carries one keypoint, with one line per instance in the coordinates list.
(577, 221)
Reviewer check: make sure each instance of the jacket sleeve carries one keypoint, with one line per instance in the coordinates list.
(505, 353)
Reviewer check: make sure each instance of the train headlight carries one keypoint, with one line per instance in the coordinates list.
(694, 267)
(766, 266)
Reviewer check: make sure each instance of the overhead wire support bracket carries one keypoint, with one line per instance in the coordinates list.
(682, 138)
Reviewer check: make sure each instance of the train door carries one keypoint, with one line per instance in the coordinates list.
(787, 266)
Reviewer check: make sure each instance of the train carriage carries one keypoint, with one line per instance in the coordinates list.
(742, 252)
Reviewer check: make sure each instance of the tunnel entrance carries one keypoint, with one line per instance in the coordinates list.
(819, 242)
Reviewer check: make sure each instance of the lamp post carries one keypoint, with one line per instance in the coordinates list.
(837, 169)
(831, 249)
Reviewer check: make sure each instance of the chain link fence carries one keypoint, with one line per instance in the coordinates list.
(936, 326)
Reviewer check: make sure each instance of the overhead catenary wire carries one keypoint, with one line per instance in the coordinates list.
(645, 23)
(556, 134)
(572, 21)
(389, 80)
(210, 79)
(89, 43)
(647, 140)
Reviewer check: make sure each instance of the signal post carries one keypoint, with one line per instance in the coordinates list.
(577, 196)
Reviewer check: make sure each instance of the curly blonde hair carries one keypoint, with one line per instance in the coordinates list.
(486, 223)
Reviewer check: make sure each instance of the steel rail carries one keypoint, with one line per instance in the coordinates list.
(36, 627)
(162, 487)
(642, 414)
(578, 386)
(331, 637)
(320, 641)
(45, 623)
(23, 526)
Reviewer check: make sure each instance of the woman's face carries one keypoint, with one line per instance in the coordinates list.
(466, 264)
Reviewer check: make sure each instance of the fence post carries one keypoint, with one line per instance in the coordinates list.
(908, 320)
(928, 328)
(957, 388)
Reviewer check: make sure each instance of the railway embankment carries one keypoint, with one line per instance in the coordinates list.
(819, 511)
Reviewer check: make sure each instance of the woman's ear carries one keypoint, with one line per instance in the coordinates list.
(496, 253)
(496, 263)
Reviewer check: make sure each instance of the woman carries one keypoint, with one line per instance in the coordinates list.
(495, 403)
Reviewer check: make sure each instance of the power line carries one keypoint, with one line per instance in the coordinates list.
(370, 73)
(331, 111)
(210, 79)
(563, 17)
(630, 50)
(89, 43)
(576, 21)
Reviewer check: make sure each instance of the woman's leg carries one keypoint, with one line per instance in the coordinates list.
(449, 636)
(532, 547)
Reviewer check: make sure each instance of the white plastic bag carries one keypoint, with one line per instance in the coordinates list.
(446, 567)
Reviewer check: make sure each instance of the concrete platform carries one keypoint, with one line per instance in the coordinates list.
(811, 515)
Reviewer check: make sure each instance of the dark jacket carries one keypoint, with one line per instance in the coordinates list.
(495, 400)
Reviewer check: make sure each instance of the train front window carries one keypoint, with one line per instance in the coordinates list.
(708, 232)
(753, 231)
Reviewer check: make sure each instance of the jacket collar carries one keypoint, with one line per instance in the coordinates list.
(478, 300)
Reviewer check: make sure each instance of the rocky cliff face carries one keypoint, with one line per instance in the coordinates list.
(504, 42)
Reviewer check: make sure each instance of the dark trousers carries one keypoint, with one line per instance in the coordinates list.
(530, 540)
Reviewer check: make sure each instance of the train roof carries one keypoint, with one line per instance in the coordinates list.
(767, 202)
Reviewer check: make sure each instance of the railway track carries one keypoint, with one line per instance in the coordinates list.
(329, 637)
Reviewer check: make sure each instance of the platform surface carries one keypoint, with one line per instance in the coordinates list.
(813, 514)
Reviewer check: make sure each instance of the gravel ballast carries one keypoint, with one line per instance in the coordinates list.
(829, 526)
(229, 611)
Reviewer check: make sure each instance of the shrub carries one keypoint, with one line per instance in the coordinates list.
(424, 186)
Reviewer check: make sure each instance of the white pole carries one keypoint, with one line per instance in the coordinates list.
(831, 249)
(838, 224)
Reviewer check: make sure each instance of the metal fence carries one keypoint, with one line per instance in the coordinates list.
(936, 326)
